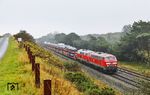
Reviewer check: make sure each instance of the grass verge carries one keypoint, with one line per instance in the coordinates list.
(15, 67)
(135, 66)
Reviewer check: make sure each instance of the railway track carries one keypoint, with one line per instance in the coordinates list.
(127, 76)
(131, 77)
(121, 77)
(133, 73)
(127, 80)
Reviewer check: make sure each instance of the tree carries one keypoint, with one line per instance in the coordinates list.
(127, 28)
(144, 45)
(81, 44)
(25, 36)
(70, 38)
(102, 44)
(129, 46)
(60, 38)
(92, 44)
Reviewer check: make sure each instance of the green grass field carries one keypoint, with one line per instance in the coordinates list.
(12, 70)
(138, 67)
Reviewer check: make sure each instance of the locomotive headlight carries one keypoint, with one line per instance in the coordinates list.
(115, 63)
(108, 63)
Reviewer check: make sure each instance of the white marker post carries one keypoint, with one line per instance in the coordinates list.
(19, 39)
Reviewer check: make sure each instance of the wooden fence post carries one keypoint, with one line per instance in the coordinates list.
(47, 87)
(37, 75)
(33, 62)
(30, 56)
(29, 53)
(26, 47)
(28, 50)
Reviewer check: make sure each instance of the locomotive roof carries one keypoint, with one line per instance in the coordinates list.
(105, 54)
(94, 53)
(84, 51)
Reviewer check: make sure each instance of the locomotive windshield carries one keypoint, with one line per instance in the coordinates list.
(110, 58)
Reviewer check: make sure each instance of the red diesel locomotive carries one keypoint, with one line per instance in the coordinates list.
(107, 62)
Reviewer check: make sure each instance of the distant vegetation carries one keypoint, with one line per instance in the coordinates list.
(110, 37)
(54, 37)
(48, 38)
(91, 41)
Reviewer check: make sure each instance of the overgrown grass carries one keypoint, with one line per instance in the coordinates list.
(135, 66)
(72, 66)
(52, 68)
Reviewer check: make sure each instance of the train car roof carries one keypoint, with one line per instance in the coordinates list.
(70, 47)
(85, 51)
(90, 52)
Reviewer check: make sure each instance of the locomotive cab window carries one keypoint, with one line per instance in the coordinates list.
(108, 58)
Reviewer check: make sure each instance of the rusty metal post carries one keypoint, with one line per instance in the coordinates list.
(37, 75)
(47, 87)
(33, 62)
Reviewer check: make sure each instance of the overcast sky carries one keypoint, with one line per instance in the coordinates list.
(40, 17)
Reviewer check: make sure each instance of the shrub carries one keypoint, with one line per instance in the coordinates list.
(83, 83)
(76, 77)
(107, 91)
(72, 66)
(84, 86)
(145, 88)
(93, 92)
